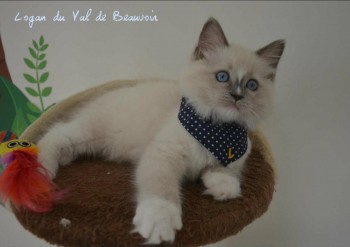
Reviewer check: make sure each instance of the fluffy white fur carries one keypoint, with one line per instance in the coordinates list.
(140, 124)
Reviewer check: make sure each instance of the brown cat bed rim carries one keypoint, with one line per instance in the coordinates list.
(106, 219)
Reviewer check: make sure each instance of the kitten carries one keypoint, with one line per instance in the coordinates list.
(176, 130)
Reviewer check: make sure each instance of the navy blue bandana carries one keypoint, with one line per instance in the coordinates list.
(227, 142)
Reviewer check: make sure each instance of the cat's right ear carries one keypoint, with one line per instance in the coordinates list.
(211, 38)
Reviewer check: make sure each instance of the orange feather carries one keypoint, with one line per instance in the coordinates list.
(26, 182)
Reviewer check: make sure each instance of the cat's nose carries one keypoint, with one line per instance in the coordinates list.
(237, 97)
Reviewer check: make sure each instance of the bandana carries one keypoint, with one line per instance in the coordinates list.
(227, 141)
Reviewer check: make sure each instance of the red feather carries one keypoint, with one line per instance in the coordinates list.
(27, 183)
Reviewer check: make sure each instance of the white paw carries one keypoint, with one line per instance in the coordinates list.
(221, 186)
(157, 220)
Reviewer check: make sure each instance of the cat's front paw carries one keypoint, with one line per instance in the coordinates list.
(221, 186)
(157, 220)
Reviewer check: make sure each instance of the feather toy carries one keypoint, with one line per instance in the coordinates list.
(23, 180)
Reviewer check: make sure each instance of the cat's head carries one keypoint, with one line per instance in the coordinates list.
(227, 82)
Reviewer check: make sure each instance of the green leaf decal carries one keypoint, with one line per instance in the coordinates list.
(44, 47)
(8, 103)
(42, 64)
(40, 77)
(47, 91)
(33, 53)
(32, 92)
(35, 45)
(31, 118)
(42, 56)
(41, 41)
(19, 123)
(33, 107)
(43, 77)
(14, 107)
(30, 78)
(29, 63)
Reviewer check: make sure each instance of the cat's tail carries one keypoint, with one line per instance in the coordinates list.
(26, 183)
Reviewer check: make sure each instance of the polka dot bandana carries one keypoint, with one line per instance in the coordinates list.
(227, 141)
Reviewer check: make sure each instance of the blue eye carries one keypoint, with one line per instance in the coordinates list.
(222, 76)
(252, 85)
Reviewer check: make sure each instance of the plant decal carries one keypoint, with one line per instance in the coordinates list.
(38, 64)
(17, 112)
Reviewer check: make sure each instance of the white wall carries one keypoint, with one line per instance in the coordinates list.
(308, 131)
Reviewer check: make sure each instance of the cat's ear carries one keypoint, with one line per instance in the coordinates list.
(211, 38)
(272, 52)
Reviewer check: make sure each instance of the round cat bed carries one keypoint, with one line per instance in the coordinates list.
(101, 205)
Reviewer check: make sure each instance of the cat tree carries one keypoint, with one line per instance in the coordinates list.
(101, 208)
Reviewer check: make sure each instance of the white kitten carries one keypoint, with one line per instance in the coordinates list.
(225, 90)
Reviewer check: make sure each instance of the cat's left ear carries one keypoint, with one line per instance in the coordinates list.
(211, 38)
(272, 52)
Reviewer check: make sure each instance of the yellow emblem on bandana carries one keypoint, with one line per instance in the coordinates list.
(230, 154)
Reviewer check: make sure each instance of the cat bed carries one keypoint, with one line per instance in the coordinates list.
(100, 209)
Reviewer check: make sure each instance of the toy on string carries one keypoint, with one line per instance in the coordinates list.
(23, 180)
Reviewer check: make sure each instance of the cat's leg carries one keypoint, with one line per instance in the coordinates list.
(61, 144)
(224, 183)
(158, 178)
